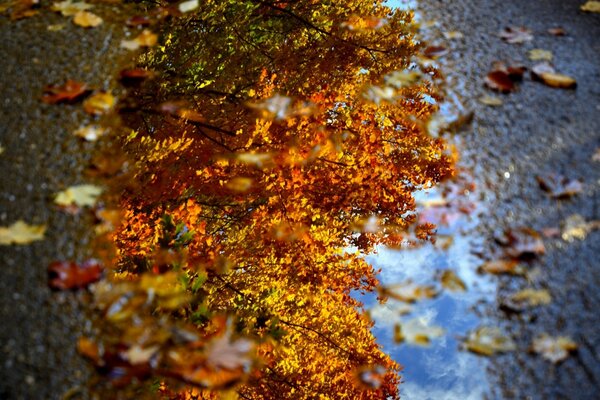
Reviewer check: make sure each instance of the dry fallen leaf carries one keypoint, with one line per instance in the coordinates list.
(502, 77)
(487, 341)
(90, 132)
(523, 242)
(576, 227)
(545, 73)
(540, 55)
(70, 92)
(490, 100)
(188, 6)
(87, 19)
(78, 195)
(530, 298)
(55, 27)
(65, 275)
(452, 282)
(99, 103)
(591, 6)
(450, 35)
(144, 39)
(516, 34)
(69, 8)
(498, 267)
(554, 349)
(434, 52)
(557, 31)
(21, 233)
(558, 186)
(134, 75)
(596, 155)
(416, 331)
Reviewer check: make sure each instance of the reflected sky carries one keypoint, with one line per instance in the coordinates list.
(442, 370)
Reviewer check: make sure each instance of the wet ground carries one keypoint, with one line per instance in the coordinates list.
(41, 156)
(537, 130)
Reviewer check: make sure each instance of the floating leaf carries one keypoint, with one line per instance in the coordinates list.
(69, 8)
(591, 6)
(90, 132)
(144, 39)
(452, 282)
(559, 186)
(516, 34)
(540, 55)
(78, 195)
(188, 6)
(490, 100)
(21, 233)
(67, 93)
(487, 341)
(417, 331)
(555, 349)
(499, 267)
(99, 103)
(408, 292)
(87, 19)
(65, 275)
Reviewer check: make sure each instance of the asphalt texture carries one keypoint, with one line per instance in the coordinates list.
(537, 130)
(38, 327)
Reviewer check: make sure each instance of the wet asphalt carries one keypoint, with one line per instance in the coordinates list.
(38, 327)
(537, 130)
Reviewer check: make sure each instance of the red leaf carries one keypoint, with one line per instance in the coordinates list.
(500, 81)
(66, 275)
(67, 93)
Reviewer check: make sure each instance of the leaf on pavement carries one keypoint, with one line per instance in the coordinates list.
(65, 275)
(451, 35)
(502, 77)
(487, 341)
(145, 39)
(78, 195)
(408, 292)
(523, 242)
(21, 233)
(576, 227)
(591, 6)
(87, 19)
(558, 31)
(69, 8)
(70, 92)
(188, 6)
(560, 187)
(516, 34)
(490, 100)
(530, 298)
(545, 73)
(452, 282)
(99, 103)
(555, 349)
(540, 55)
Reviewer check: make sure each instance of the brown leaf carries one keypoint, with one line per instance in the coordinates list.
(138, 21)
(557, 31)
(452, 282)
(500, 81)
(435, 51)
(516, 34)
(498, 267)
(558, 186)
(89, 349)
(70, 92)
(524, 242)
(66, 275)
(134, 75)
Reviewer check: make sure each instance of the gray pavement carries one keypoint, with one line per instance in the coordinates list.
(538, 130)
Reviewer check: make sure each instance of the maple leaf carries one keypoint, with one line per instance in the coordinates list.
(21, 233)
(69, 92)
(78, 195)
(66, 275)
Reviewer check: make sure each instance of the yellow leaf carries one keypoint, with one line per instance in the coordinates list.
(21, 233)
(452, 282)
(540, 55)
(69, 8)
(78, 195)
(486, 341)
(557, 80)
(90, 132)
(490, 100)
(591, 6)
(99, 103)
(532, 297)
(87, 19)
(554, 349)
